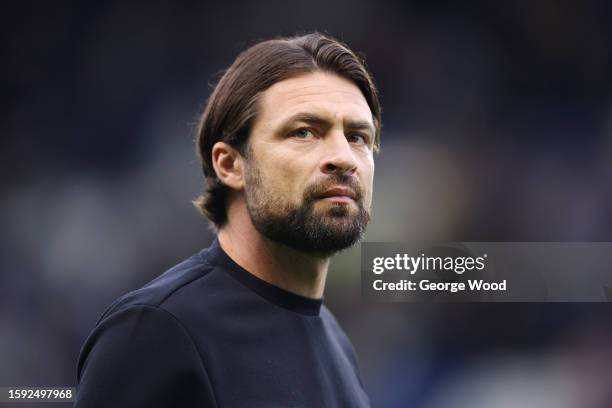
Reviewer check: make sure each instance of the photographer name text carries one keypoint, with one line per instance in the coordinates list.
(432, 286)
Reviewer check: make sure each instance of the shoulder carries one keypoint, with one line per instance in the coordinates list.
(139, 317)
(336, 329)
(138, 328)
(140, 313)
(162, 288)
(340, 336)
(134, 358)
(330, 320)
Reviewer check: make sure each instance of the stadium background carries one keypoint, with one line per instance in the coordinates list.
(497, 127)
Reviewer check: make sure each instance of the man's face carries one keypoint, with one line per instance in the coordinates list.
(309, 166)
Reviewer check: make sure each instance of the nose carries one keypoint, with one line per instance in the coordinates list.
(339, 157)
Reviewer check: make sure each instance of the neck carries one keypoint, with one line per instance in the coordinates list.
(297, 272)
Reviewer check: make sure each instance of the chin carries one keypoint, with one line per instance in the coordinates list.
(339, 210)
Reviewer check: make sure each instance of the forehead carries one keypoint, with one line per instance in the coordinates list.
(320, 93)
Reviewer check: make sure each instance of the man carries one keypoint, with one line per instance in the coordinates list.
(286, 142)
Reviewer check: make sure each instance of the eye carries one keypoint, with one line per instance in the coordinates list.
(302, 133)
(357, 138)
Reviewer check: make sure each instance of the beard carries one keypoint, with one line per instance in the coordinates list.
(302, 227)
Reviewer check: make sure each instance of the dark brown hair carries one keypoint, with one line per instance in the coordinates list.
(232, 106)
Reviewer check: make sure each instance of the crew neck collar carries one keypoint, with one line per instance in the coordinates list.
(278, 296)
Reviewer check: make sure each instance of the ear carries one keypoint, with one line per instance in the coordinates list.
(229, 165)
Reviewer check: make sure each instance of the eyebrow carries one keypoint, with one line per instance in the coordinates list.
(313, 119)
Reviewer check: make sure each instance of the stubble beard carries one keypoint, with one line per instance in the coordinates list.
(303, 227)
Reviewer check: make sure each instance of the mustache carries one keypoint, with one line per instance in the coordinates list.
(317, 189)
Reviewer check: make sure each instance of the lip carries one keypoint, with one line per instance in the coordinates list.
(343, 194)
(338, 199)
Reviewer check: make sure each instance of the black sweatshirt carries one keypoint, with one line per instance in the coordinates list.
(207, 333)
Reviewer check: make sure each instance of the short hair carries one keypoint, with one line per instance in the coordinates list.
(232, 106)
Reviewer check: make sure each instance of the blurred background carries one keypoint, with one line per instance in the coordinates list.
(497, 127)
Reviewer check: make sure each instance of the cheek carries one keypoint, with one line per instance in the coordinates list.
(292, 171)
(368, 182)
(283, 179)
(369, 190)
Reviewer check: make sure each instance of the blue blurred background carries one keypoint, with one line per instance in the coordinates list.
(497, 127)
